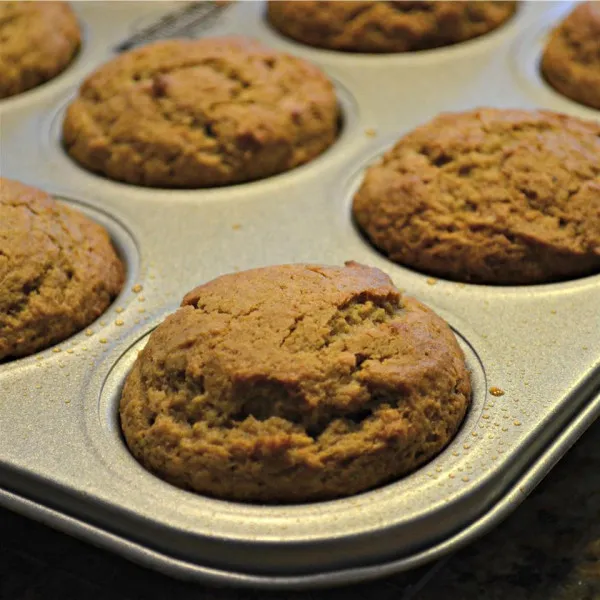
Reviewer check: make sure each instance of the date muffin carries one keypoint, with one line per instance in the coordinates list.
(294, 383)
(571, 59)
(59, 270)
(201, 113)
(38, 40)
(489, 196)
(371, 26)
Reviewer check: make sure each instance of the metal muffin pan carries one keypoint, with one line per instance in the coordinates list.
(62, 458)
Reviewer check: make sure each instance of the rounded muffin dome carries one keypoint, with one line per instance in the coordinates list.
(59, 270)
(489, 196)
(571, 59)
(200, 113)
(38, 41)
(374, 26)
(294, 383)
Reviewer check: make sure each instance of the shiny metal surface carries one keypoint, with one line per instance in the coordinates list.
(62, 459)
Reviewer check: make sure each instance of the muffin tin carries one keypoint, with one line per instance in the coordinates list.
(534, 351)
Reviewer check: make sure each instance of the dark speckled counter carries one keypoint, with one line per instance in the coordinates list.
(549, 549)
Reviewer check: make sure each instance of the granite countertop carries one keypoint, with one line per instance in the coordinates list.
(549, 549)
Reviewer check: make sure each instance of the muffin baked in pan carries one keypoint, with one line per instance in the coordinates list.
(571, 59)
(59, 270)
(504, 197)
(38, 40)
(380, 27)
(201, 113)
(294, 383)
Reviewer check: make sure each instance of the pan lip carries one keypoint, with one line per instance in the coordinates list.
(178, 567)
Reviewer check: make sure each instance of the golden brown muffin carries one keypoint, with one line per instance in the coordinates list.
(192, 114)
(370, 26)
(58, 270)
(294, 383)
(571, 59)
(489, 196)
(38, 40)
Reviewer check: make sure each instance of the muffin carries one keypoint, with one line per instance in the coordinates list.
(294, 383)
(369, 26)
(58, 270)
(571, 59)
(201, 113)
(38, 40)
(489, 196)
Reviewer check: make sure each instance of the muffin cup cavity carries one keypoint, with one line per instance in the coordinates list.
(123, 239)
(206, 520)
(105, 428)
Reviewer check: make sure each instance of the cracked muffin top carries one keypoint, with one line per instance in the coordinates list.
(294, 383)
(58, 269)
(201, 113)
(571, 59)
(489, 196)
(38, 40)
(369, 26)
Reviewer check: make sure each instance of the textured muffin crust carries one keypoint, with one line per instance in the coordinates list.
(369, 26)
(294, 383)
(58, 270)
(38, 40)
(201, 113)
(489, 196)
(571, 59)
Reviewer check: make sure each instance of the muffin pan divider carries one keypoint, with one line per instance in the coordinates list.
(534, 351)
